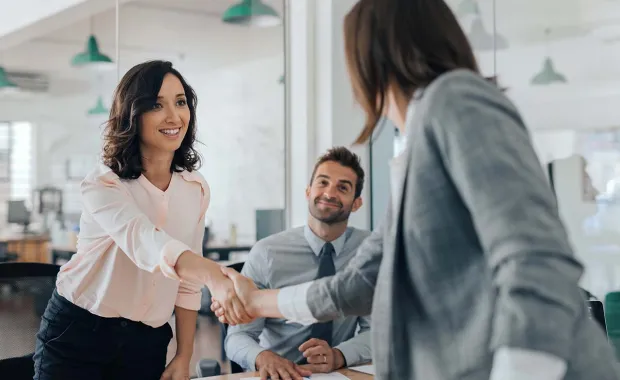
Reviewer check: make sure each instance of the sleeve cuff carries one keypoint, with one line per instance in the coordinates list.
(350, 354)
(169, 255)
(189, 301)
(252, 355)
(516, 363)
(292, 302)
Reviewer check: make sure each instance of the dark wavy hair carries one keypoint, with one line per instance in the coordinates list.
(136, 94)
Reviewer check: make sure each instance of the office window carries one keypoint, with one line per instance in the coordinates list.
(16, 163)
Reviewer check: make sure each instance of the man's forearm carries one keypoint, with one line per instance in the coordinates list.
(185, 330)
(242, 348)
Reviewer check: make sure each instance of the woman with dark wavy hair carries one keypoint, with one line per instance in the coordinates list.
(139, 255)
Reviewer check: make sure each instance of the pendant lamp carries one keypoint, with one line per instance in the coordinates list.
(467, 7)
(92, 57)
(548, 74)
(99, 108)
(483, 40)
(5, 82)
(252, 13)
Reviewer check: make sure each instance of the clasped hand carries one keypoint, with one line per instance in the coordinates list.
(232, 298)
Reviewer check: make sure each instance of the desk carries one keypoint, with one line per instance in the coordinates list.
(353, 375)
(30, 248)
(224, 251)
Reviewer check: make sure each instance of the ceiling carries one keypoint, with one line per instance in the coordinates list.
(179, 30)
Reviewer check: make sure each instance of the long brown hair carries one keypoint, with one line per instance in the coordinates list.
(408, 43)
(136, 94)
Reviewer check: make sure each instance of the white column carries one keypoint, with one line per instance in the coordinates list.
(321, 110)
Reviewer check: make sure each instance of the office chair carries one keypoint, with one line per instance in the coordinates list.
(25, 289)
(210, 367)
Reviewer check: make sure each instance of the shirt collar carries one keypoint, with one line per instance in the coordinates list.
(316, 243)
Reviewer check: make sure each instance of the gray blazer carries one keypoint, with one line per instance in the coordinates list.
(474, 257)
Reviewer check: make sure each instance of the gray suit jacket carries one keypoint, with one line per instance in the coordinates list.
(474, 257)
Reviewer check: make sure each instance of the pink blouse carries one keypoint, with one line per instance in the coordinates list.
(131, 235)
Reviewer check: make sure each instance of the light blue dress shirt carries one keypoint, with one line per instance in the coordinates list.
(290, 258)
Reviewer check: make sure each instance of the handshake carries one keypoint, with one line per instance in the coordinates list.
(232, 298)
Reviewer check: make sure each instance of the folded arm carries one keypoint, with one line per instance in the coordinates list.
(357, 350)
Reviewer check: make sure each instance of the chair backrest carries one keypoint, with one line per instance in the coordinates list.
(25, 289)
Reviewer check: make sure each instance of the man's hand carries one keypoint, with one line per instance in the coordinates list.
(321, 357)
(178, 369)
(273, 366)
(244, 289)
(232, 311)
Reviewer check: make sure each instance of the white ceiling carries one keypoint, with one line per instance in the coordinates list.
(179, 30)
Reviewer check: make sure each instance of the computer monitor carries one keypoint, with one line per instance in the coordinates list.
(18, 213)
(269, 222)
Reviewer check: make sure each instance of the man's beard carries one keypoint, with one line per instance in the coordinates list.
(329, 218)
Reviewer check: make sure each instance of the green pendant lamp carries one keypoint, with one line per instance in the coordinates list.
(92, 57)
(467, 7)
(99, 108)
(252, 13)
(548, 74)
(5, 83)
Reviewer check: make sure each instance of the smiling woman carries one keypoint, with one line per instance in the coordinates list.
(139, 256)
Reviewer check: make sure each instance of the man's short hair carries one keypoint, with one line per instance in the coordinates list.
(346, 158)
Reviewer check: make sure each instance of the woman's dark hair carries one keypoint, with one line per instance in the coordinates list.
(408, 43)
(136, 94)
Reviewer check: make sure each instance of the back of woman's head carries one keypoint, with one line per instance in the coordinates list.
(136, 94)
(404, 43)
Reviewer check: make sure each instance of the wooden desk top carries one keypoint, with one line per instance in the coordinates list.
(9, 237)
(353, 375)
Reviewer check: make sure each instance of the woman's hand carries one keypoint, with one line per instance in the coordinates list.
(178, 369)
(244, 289)
(232, 308)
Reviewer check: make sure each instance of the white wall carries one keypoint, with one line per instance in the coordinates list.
(240, 109)
(323, 112)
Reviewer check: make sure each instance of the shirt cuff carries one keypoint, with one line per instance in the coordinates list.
(251, 357)
(350, 354)
(189, 301)
(169, 255)
(293, 304)
(517, 364)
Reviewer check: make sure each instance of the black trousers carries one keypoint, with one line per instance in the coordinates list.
(73, 343)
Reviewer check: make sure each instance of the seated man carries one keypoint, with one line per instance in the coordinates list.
(274, 346)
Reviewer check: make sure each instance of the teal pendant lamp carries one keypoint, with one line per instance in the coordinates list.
(548, 74)
(252, 13)
(92, 57)
(483, 40)
(467, 7)
(99, 108)
(5, 83)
